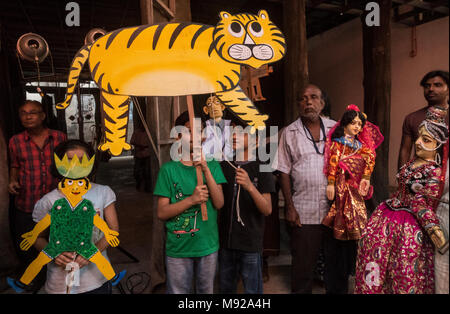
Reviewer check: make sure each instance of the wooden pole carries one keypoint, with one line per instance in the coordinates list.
(190, 106)
(80, 114)
(146, 11)
(296, 59)
(377, 91)
(147, 131)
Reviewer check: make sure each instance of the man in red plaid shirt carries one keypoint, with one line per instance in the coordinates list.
(31, 154)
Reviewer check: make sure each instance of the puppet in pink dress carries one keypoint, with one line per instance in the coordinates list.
(349, 162)
(395, 253)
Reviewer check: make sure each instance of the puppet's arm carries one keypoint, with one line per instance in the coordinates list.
(369, 157)
(422, 206)
(333, 162)
(31, 236)
(110, 235)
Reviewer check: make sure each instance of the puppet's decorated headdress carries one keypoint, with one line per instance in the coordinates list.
(74, 169)
(356, 108)
(435, 124)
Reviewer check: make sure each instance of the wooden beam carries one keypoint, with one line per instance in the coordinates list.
(139, 110)
(439, 3)
(172, 6)
(176, 108)
(54, 90)
(166, 11)
(314, 3)
(146, 11)
(296, 59)
(190, 105)
(349, 7)
(406, 15)
(424, 5)
(377, 91)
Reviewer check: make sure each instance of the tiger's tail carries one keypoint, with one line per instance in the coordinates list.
(74, 72)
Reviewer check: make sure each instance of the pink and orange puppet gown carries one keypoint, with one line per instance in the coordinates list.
(396, 253)
(346, 164)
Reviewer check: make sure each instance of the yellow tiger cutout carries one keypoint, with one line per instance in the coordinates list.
(173, 59)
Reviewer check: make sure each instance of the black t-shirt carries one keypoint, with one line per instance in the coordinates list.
(232, 234)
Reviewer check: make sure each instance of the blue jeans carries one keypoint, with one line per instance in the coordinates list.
(106, 288)
(235, 263)
(181, 271)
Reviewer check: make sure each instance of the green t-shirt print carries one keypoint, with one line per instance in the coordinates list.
(187, 234)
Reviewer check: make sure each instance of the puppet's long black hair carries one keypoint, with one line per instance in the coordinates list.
(346, 119)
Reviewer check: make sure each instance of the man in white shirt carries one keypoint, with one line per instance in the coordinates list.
(301, 161)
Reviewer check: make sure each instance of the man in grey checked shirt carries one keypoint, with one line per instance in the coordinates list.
(303, 183)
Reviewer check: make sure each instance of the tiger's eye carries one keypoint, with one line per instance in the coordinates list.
(236, 27)
(256, 27)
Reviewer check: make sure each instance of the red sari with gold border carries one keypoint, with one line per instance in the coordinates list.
(348, 164)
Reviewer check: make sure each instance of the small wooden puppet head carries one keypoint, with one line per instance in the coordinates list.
(75, 183)
(214, 108)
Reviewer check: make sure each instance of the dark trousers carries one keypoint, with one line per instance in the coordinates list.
(306, 242)
(340, 262)
(21, 223)
(235, 264)
(106, 288)
(143, 174)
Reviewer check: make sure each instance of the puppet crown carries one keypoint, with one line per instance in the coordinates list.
(356, 108)
(435, 124)
(74, 169)
(436, 114)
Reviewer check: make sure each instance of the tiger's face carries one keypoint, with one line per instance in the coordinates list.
(248, 39)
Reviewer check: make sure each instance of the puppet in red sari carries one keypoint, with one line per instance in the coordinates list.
(349, 162)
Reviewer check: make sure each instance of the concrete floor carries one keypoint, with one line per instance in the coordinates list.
(135, 219)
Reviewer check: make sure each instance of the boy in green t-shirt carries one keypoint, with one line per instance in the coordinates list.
(192, 244)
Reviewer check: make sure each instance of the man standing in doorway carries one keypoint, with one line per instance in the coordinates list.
(435, 90)
(303, 183)
(31, 154)
(142, 159)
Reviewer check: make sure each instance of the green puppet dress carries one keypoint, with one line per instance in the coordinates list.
(71, 229)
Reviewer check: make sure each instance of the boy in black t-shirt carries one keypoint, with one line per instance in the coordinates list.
(241, 220)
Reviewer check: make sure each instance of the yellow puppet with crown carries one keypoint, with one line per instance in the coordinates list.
(71, 220)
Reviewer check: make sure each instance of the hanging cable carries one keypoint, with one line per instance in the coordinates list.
(144, 122)
(413, 51)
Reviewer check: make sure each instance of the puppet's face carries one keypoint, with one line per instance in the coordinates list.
(425, 144)
(214, 108)
(74, 189)
(248, 39)
(70, 167)
(354, 127)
